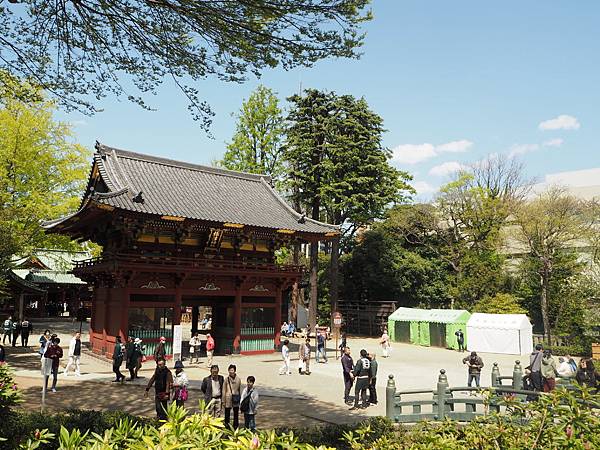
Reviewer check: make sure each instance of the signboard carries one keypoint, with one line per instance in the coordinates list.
(177, 337)
(337, 319)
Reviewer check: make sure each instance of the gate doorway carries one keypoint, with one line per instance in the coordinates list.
(437, 334)
(212, 315)
(402, 332)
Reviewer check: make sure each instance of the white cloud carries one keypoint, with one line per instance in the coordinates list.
(521, 149)
(413, 153)
(562, 122)
(455, 146)
(423, 187)
(553, 143)
(416, 153)
(446, 168)
(78, 123)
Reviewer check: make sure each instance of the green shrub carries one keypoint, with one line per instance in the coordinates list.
(9, 395)
(573, 350)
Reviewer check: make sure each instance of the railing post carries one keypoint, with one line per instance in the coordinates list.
(390, 397)
(517, 382)
(496, 375)
(442, 386)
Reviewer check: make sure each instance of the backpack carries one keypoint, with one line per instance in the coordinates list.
(245, 404)
(366, 363)
(7, 324)
(25, 325)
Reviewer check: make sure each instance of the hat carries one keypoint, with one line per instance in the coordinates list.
(178, 365)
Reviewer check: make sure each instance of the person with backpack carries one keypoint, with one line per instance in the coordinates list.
(16, 330)
(373, 380)
(362, 374)
(231, 396)
(210, 349)
(460, 340)
(180, 385)
(7, 328)
(117, 358)
(321, 347)
(285, 355)
(51, 362)
(549, 371)
(535, 367)
(249, 404)
(162, 379)
(26, 329)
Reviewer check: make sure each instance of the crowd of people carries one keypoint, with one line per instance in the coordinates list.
(13, 328)
(220, 394)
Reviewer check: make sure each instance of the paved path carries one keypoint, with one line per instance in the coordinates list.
(316, 398)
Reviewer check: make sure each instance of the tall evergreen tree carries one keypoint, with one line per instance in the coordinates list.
(339, 168)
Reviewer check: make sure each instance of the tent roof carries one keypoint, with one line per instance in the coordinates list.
(499, 321)
(430, 315)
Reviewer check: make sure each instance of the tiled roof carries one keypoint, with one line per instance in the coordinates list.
(51, 259)
(47, 276)
(173, 188)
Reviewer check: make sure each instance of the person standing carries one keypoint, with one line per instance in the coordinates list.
(285, 355)
(26, 329)
(210, 349)
(160, 351)
(212, 388)
(385, 343)
(162, 379)
(51, 364)
(117, 358)
(548, 371)
(231, 397)
(2, 353)
(7, 328)
(180, 385)
(343, 344)
(460, 340)
(475, 364)
(373, 380)
(362, 373)
(321, 344)
(304, 357)
(129, 360)
(347, 368)
(134, 358)
(195, 344)
(74, 355)
(16, 330)
(44, 341)
(535, 367)
(249, 404)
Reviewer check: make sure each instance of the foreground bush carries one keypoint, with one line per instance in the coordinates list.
(9, 395)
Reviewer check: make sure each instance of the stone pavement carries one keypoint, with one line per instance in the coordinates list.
(300, 398)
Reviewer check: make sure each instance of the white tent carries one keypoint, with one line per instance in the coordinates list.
(500, 333)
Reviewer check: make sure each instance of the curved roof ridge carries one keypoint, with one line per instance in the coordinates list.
(183, 165)
(295, 213)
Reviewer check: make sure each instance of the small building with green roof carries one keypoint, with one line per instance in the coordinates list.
(428, 327)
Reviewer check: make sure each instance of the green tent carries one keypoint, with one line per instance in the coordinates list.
(429, 327)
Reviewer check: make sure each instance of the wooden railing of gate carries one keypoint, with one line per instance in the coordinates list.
(442, 403)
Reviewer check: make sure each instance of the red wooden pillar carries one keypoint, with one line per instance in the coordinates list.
(124, 328)
(277, 315)
(105, 323)
(237, 321)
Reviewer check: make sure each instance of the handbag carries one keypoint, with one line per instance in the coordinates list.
(235, 398)
(182, 394)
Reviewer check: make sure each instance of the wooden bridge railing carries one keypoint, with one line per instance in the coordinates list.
(443, 404)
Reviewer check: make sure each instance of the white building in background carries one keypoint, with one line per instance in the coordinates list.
(584, 184)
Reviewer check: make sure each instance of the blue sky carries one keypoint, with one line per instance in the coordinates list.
(453, 80)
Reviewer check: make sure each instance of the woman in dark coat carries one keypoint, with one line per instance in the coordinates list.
(586, 374)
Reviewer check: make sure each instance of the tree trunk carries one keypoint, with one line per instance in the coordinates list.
(544, 281)
(295, 298)
(334, 274)
(314, 268)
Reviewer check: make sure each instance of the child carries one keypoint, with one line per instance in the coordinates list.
(249, 403)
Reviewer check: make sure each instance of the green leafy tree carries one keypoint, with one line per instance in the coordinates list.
(547, 228)
(256, 145)
(501, 303)
(83, 50)
(42, 172)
